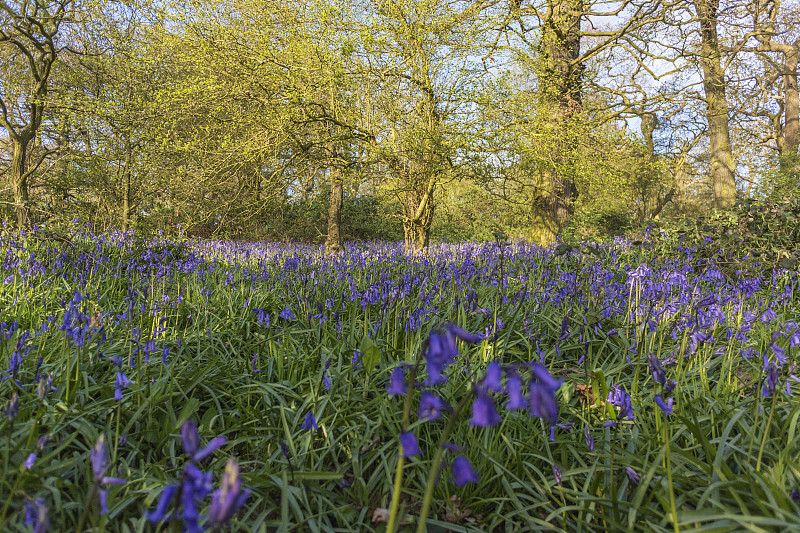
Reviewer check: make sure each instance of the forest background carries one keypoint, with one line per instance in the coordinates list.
(445, 120)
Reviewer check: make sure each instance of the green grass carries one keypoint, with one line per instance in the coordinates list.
(726, 459)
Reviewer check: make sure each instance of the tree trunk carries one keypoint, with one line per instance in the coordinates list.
(788, 145)
(560, 86)
(126, 193)
(19, 180)
(333, 244)
(722, 163)
(126, 204)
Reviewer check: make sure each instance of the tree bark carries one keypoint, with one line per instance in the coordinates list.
(333, 244)
(560, 94)
(19, 179)
(722, 162)
(788, 144)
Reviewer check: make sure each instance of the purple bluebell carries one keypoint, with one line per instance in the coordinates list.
(229, 498)
(431, 406)
(408, 445)
(463, 472)
(191, 442)
(632, 474)
(771, 381)
(120, 383)
(357, 360)
(12, 407)
(665, 406)
(542, 403)
(397, 382)
(36, 515)
(44, 386)
(484, 412)
(557, 473)
(516, 400)
(656, 369)
(618, 397)
(163, 504)
(30, 461)
(587, 436)
(491, 382)
(309, 422)
(99, 459)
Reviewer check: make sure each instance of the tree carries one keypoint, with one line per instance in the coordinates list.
(714, 85)
(423, 57)
(779, 47)
(29, 48)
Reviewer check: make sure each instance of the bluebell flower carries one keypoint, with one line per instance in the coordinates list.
(431, 406)
(29, 462)
(557, 473)
(44, 386)
(463, 472)
(542, 403)
(163, 504)
(665, 406)
(659, 376)
(36, 515)
(397, 382)
(618, 397)
(309, 422)
(229, 498)
(587, 436)
(516, 400)
(191, 442)
(99, 459)
(491, 382)
(484, 412)
(326, 380)
(632, 474)
(771, 381)
(121, 382)
(287, 314)
(12, 407)
(408, 445)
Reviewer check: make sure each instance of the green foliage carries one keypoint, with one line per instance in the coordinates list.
(754, 234)
(727, 453)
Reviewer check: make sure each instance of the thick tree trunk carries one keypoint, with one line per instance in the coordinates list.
(419, 210)
(722, 163)
(19, 180)
(333, 244)
(560, 86)
(788, 144)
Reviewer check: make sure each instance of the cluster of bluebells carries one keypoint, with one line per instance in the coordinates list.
(440, 352)
(186, 496)
(688, 298)
(663, 398)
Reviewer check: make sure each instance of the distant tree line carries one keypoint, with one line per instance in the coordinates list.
(324, 120)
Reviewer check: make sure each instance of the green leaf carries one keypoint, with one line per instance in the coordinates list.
(371, 354)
